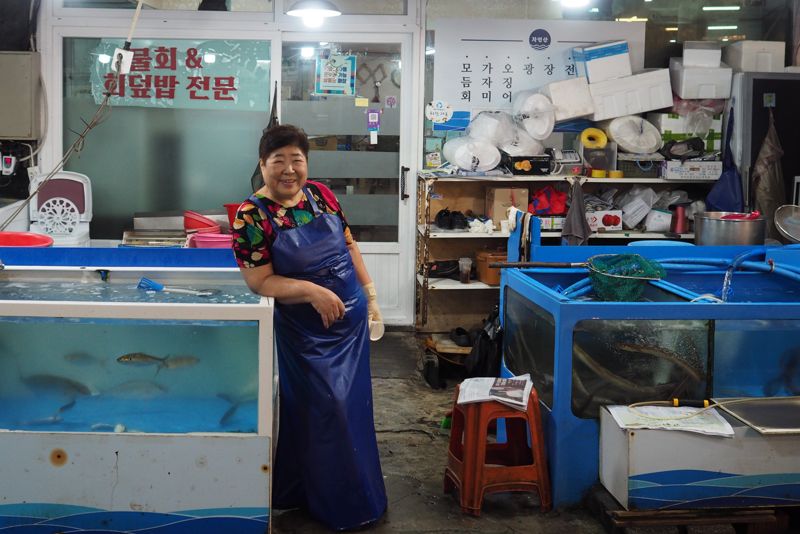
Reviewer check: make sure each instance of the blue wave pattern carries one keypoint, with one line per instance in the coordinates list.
(666, 490)
(45, 518)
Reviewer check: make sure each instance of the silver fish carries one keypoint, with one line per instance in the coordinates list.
(83, 359)
(140, 358)
(57, 384)
(176, 362)
(137, 389)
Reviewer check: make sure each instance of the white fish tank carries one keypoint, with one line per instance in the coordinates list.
(124, 407)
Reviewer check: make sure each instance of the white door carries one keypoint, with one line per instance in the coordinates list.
(349, 93)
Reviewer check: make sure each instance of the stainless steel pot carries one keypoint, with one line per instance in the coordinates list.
(711, 229)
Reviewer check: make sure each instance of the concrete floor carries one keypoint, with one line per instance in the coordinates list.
(413, 453)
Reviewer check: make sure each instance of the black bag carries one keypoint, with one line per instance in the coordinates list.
(487, 351)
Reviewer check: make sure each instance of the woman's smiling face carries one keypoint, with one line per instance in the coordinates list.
(285, 172)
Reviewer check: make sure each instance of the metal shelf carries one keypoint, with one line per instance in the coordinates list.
(557, 177)
(436, 233)
(447, 283)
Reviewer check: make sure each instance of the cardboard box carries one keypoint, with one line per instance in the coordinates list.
(702, 54)
(526, 165)
(552, 222)
(691, 170)
(755, 56)
(489, 275)
(599, 62)
(604, 221)
(499, 199)
(641, 92)
(700, 82)
(674, 127)
(571, 98)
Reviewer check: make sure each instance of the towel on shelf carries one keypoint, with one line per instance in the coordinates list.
(576, 229)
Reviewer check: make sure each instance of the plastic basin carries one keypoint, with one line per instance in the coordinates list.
(25, 239)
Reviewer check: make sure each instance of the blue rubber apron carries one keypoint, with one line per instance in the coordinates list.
(327, 457)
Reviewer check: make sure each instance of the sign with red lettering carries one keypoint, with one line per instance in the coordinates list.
(185, 74)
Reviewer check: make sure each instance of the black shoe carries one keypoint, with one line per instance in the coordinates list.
(443, 219)
(458, 221)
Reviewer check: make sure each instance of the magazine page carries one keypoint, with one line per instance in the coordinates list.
(513, 392)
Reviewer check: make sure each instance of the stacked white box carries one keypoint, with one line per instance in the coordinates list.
(700, 82)
(599, 62)
(674, 127)
(644, 91)
(570, 98)
(755, 56)
(702, 54)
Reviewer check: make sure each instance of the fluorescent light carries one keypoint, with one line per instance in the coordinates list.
(721, 8)
(671, 29)
(209, 57)
(725, 39)
(430, 51)
(572, 4)
(104, 58)
(673, 41)
(313, 12)
(306, 52)
(631, 19)
(723, 27)
(594, 10)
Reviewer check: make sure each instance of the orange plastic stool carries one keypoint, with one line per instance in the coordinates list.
(477, 467)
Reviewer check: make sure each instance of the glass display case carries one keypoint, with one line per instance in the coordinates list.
(123, 407)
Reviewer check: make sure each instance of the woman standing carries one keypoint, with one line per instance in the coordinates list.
(292, 243)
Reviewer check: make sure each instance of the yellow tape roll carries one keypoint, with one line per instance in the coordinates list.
(599, 173)
(615, 174)
(594, 138)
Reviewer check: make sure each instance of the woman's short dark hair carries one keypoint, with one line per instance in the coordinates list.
(278, 137)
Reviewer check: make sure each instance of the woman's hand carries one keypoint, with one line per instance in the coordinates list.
(329, 306)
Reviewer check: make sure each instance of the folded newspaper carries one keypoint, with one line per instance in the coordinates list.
(512, 392)
(668, 418)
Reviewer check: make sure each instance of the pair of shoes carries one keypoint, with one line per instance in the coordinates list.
(450, 220)
(464, 338)
(683, 150)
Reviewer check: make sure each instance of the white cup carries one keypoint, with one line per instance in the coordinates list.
(376, 330)
(504, 226)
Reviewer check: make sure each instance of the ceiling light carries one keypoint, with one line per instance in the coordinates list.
(721, 8)
(723, 27)
(104, 58)
(313, 12)
(673, 41)
(594, 10)
(631, 19)
(209, 57)
(571, 4)
(671, 29)
(430, 51)
(306, 52)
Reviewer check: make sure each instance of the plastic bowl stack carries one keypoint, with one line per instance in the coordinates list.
(194, 222)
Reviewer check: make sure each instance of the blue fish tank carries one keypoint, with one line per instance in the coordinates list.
(719, 323)
(136, 392)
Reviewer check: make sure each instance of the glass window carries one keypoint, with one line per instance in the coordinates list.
(359, 7)
(338, 114)
(529, 342)
(626, 361)
(177, 5)
(183, 129)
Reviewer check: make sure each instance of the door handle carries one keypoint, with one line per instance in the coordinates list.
(403, 171)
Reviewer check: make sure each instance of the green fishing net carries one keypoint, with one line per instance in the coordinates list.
(621, 277)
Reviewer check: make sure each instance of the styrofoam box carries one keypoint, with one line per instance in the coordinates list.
(602, 61)
(755, 56)
(21, 222)
(669, 469)
(571, 98)
(644, 91)
(674, 127)
(691, 170)
(702, 54)
(700, 82)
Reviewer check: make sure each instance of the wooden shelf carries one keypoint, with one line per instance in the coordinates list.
(437, 233)
(447, 283)
(557, 177)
